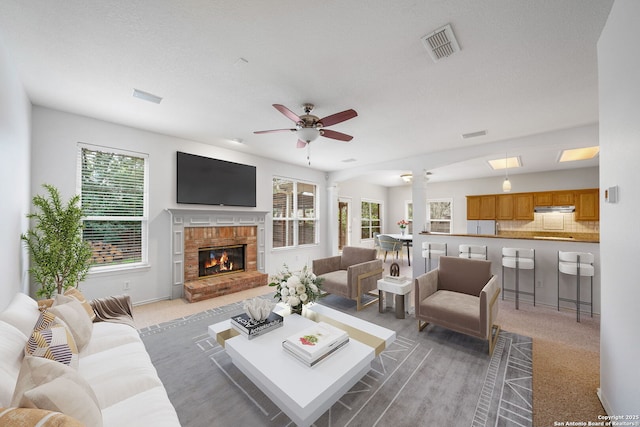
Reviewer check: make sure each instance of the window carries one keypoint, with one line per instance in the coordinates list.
(408, 211)
(439, 215)
(371, 223)
(113, 191)
(295, 220)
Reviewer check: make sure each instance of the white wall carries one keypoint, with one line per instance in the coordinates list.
(54, 151)
(458, 190)
(619, 81)
(15, 118)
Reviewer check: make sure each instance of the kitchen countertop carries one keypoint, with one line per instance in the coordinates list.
(576, 237)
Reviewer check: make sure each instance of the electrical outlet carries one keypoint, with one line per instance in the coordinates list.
(126, 286)
(539, 283)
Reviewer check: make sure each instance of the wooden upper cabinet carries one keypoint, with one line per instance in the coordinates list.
(523, 206)
(473, 207)
(587, 204)
(543, 199)
(488, 207)
(504, 206)
(481, 207)
(563, 198)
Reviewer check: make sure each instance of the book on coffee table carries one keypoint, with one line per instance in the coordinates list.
(250, 328)
(314, 343)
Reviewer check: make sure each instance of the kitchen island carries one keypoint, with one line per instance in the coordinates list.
(546, 246)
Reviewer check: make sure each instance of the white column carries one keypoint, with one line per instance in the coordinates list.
(419, 197)
(332, 217)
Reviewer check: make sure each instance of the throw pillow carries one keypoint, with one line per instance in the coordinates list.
(76, 294)
(71, 312)
(28, 417)
(51, 339)
(45, 384)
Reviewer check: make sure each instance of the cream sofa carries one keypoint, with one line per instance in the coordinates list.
(113, 362)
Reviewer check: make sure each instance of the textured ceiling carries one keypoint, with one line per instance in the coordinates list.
(525, 67)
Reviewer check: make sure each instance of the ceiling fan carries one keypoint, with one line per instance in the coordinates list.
(309, 127)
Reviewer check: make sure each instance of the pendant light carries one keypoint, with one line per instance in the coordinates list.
(506, 185)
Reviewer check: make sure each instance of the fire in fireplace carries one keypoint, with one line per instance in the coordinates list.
(220, 260)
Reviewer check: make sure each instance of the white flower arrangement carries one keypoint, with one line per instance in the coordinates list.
(296, 288)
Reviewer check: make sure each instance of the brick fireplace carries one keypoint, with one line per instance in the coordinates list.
(207, 248)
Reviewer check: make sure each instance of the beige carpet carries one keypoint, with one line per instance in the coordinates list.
(566, 354)
(566, 361)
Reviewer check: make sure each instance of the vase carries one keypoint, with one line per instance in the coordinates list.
(296, 309)
(402, 230)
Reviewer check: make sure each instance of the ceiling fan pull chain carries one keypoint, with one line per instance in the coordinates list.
(309, 154)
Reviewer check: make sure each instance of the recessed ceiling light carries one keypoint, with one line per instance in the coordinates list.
(511, 162)
(137, 93)
(349, 160)
(579, 154)
(237, 140)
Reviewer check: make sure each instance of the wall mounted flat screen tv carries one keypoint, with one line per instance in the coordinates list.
(207, 181)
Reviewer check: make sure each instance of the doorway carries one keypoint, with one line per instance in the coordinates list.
(344, 223)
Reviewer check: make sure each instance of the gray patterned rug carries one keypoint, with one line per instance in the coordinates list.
(428, 378)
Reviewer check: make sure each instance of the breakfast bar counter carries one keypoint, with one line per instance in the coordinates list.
(568, 237)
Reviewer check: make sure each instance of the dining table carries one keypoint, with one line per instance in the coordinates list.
(407, 240)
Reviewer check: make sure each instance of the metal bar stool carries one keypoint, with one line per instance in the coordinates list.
(473, 251)
(432, 250)
(519, 259)
(576, 264)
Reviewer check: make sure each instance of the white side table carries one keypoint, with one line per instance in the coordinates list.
(401, 291)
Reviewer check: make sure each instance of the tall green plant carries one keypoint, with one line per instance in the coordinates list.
(60, 258)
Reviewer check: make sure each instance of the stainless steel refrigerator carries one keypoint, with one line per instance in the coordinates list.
(482, 226)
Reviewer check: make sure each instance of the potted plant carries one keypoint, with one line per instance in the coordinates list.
(60, 258)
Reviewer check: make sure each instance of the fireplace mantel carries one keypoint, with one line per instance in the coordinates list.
(184, 218)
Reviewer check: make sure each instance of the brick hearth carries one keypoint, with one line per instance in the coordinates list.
(197, 289)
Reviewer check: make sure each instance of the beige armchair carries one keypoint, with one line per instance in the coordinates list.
(351, 274)
(461, 295)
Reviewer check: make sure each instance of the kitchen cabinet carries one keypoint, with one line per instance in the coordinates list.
(481, 207)
(543, 199)
(523, 206)
(563, 198)
(587, 204)
(504, 206)
(554, 198)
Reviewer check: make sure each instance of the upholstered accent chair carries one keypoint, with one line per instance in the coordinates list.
(461, 295)
(350, 275)
(390, 244)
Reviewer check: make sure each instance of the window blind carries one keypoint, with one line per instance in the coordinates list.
(113, 189)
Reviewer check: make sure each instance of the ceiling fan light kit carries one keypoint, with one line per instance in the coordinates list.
(309, 127)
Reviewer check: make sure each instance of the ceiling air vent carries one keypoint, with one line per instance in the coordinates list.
(441, 43)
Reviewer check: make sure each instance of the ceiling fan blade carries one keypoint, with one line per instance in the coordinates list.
(301, 144)
(336, 135)
(274, 130)
(338, 117)
(284, 110)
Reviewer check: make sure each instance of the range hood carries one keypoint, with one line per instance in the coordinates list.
(554, 209)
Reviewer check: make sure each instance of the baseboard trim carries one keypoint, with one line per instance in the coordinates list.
(603, 401)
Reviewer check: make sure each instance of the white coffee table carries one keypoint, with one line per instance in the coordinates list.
(401, 290)
(304, 393)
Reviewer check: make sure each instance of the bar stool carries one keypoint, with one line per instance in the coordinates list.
(519, 259)
(432, 250)
(576, 264)
(472, 251)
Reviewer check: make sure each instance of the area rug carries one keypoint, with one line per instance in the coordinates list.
(433, 377)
